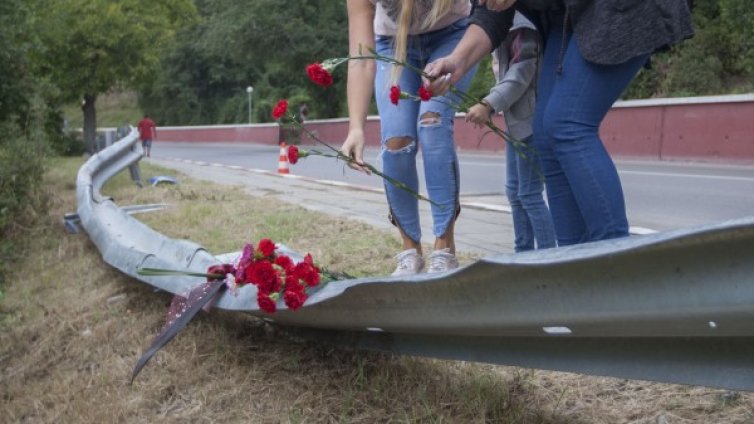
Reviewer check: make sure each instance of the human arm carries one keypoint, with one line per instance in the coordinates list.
(479, 114)
(487, 29)
(361, 72)
(521, 71)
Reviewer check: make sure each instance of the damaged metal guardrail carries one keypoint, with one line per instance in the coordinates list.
(674, 307)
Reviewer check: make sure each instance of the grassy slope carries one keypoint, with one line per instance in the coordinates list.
(68, 339)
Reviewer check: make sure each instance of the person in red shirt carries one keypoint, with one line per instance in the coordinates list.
(147, 132)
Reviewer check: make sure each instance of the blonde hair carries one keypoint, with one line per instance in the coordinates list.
(439, 9)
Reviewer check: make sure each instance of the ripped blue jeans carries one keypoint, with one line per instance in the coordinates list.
(428, 126)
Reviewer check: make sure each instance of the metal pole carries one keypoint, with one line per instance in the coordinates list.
(250, 90)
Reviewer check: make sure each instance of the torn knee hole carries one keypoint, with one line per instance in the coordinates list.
(398, 143)
(429, 118)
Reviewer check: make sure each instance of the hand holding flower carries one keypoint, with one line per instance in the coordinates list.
(440, 75)
(479, 115)
(438, 78)
(353, 147)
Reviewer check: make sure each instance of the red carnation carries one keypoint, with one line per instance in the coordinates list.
(264, 276)
(319, 75)
(425, 94)
(292, 154)
(395, 94)
(308, 259)
(279, 110)
(266, 303)
(284, 262)
(266, 247)
(294, 299)
(291, 279)
(308, 273)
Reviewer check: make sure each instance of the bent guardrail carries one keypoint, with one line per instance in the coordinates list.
(673, 307)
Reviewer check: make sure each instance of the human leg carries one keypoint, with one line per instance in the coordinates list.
(583, 187)
(522, 230)
(435, 133)
(530, 189)
(146, 144)
(399, 149)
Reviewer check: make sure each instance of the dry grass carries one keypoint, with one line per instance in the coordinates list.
(68, 341)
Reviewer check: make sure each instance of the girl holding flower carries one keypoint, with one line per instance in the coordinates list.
(415, 32)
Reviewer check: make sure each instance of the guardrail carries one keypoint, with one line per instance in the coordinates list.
(673, 307)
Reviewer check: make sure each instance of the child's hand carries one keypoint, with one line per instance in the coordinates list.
(479, 114)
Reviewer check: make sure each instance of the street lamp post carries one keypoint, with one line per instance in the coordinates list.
(250, 90)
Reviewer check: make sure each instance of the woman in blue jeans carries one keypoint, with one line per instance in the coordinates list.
(515, 65)
(593, 49)
(417, 32)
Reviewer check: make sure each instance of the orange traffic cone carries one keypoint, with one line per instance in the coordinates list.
(283, 159)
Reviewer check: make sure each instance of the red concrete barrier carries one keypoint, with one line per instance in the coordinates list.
(717, 128)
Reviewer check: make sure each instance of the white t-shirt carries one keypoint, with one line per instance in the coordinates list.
(388, 11)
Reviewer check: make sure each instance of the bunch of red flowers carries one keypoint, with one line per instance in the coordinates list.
(321, 74)
(274, 275)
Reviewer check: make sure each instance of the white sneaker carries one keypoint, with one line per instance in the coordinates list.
(409, 263)
(441, 261)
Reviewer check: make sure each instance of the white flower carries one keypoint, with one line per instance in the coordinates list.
(230, 281)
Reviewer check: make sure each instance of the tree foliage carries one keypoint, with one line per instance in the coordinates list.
(92, 46)
(265, 44)
(24, 120)
(718, 59)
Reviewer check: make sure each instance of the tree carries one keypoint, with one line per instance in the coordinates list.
(92, 46)
(237, 43)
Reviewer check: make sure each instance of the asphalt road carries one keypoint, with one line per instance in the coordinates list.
(660, 195)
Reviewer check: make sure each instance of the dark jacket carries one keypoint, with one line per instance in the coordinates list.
(607, 32)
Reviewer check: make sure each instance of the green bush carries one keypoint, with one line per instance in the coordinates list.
(69, 143)
(22, 155)
(693, 71)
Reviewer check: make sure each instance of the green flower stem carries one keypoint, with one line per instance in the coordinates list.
(397, 183)
(162, 272)
(339, 155)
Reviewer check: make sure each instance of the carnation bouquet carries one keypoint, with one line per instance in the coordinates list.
(276, 277)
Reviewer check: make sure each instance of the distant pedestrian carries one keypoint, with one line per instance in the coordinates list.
(147, 133)
(303, 115)
(303, 112)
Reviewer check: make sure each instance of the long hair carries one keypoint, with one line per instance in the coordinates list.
(439, 9)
